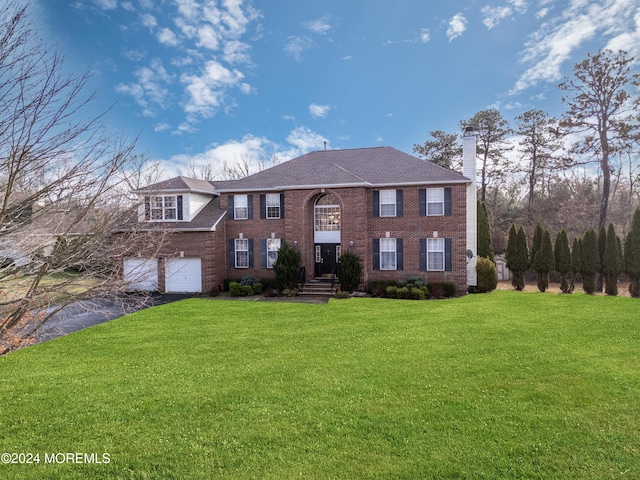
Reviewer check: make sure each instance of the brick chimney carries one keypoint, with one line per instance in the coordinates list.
(469, 171)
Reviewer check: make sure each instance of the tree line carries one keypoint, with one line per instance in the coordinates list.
(577, 172)
(595, 258)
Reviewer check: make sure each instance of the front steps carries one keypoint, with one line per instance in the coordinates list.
(319, 287)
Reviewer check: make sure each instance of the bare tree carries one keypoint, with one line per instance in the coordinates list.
(62, 173)
(602, 107)
(539, 146)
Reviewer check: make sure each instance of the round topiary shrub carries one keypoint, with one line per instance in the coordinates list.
(487, 275)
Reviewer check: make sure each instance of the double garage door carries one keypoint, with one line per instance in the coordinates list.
(181, 275)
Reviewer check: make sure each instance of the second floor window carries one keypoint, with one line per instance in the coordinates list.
(387, 203)
(435, 201)
(164, 207)
(241, 207)
(273, 205)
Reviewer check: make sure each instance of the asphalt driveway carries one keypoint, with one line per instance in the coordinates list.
(86, 313)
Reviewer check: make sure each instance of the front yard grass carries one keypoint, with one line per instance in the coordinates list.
(502, 385)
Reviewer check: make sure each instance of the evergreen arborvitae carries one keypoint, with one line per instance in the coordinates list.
(536, 241)
(576, 262)
(350, 271)
(602, 242)
(287, 267)
(632, 255)
(485, 249)
(611, 261)
(563, 260)
(544, 261)
(589, 261)
(517, 256)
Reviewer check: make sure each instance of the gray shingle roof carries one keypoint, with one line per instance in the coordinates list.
(376, 166)
(179, 184)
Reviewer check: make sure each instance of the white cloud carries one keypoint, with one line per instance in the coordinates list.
(493, 15)
(319, 111)
(321, 26)
(128, 6)
(302, 140)
(457, 26)
(206, 91)
(148, 20)
(236, 52)
(552, 46)
(150, 89)
(542, 13)
(425, 36)
(257, 149)
(106, 4)
(167, 37)
(296, 46)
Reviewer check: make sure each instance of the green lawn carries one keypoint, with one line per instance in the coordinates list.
(504, 385)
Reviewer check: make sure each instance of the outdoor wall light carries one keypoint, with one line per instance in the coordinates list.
(352, 244)
(295, 244)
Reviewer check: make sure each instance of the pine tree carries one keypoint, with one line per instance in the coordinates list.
(544, 261)
(589, 261)
(611, 261)
(576, 262)
(563, 259)
(632, 255)
(485, 249)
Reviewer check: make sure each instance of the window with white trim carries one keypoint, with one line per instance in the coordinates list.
(388, 254)
(242, 252)
(163, 207)
(387, 203)
(240, 207)
(273, 246)
(435, 201)
(273, 205)
(435, 254)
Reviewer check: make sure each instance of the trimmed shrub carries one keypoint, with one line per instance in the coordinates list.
(416, 293)
(404, 292)
(235, 289)
(544, 261)
(227, 283)
(378, 288)
(287, 267)
(391, 291)
(247, 281)
(350, 271)
(442, 289)
(563, 259)
(487, 275)
(589, 261)
(257, 288)
(247, 290)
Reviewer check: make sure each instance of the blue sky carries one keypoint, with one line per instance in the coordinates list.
(204, 81)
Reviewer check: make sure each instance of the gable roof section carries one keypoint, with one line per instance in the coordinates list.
(179, 184)
(371, 167)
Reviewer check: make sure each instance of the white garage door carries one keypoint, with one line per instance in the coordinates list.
(183, 275)
(141, 274)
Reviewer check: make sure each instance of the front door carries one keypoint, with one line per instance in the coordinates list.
(326, 258)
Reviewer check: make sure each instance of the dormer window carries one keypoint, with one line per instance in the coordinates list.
(160, 208)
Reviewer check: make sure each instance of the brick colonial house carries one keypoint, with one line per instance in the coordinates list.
(401, 215)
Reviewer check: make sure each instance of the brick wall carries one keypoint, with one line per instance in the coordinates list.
(358, 225)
